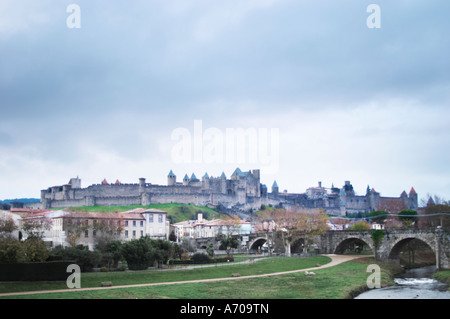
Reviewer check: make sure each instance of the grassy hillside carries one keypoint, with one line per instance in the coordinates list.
(177, 212)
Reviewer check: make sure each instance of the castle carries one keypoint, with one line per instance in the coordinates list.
(242, 192)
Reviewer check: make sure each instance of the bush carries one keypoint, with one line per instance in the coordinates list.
(137, 253)
(35, 250)
(11, 251)
(200, 258)
(15, 251)
(360, 225)
(80, 255)
(36, 271)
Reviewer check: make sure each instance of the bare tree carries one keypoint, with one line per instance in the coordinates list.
(7, 226)
(293, 224)
(75, 224)
(265, 225)
(36, 227)
(106, 226)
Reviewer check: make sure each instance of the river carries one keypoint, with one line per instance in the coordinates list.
(413, 284)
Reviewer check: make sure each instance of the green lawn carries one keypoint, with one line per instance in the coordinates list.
(334, 282)
(179, 212)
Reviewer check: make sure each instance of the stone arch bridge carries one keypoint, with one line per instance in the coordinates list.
(391, 243)
(387, 250)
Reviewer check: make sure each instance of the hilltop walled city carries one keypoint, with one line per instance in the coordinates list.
(239, 195)
(242, 192)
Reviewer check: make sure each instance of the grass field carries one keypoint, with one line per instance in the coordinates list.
(178, 212)
(339, 282)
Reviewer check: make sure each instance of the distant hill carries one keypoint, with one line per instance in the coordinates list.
(20, 200)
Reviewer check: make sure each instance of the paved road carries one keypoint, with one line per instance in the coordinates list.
(335, 260)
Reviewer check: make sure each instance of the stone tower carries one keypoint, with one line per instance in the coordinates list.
(275, 189)
(413, 200)
(171, 179)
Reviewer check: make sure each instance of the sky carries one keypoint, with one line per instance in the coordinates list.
(304, 90)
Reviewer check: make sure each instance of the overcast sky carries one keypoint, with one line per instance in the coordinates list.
(330, 99)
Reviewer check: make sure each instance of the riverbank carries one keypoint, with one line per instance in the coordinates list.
(442, 276)
(414, 283)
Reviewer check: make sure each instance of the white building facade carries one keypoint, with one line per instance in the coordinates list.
(90, 227)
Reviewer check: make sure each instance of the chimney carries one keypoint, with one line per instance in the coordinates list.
(200, 217)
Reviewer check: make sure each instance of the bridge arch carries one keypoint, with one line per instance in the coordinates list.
(400, 244)
(355, 243)
(257, 243)
(392, 243)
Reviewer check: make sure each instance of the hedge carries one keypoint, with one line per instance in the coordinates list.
(192, 262)
(36, 271)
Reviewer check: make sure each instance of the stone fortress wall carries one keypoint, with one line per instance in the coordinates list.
(243, 191)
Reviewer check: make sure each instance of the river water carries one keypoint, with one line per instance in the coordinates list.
(413, 284)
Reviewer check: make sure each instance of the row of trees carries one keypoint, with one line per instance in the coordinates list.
(16, 250)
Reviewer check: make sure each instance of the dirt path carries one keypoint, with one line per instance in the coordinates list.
(335, 260)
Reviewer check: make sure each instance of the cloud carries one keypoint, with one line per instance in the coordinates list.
(350, 102)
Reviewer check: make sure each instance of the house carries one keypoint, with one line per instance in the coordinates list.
(88, 228)
(141, 222)
(202, 228)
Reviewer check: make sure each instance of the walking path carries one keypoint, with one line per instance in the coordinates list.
(335, 260)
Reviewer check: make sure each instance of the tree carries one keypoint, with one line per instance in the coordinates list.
(36, 227)
(112, 253)
(172, 236)
(294, 224)
(7, 226)
(107, 228)
(210, 250)
(11, 251)
(143, 252)
(35, 250)
(228, 242)
(79, 255)
(408, 217)
(74, 225)
(265, 224)
(137, 253)
(438, 211)
(378, 216)
(360, 225)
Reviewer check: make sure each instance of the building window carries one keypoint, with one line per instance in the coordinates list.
(94, 233)
(86, 234)
(134, 234)
(126, 234)
(126, 223)
(142, 233)
(160, 218)
(141, 223)
(134, 223)
(150, 218)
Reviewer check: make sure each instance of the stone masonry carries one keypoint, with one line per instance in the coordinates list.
(242, 192)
